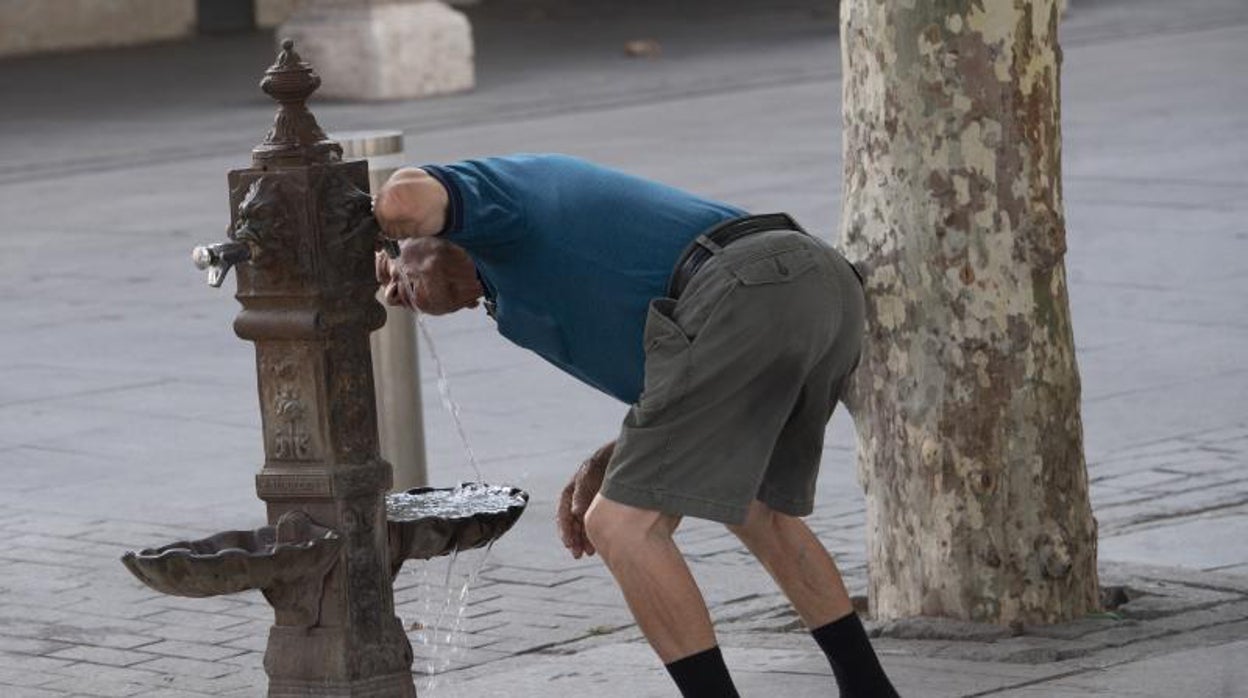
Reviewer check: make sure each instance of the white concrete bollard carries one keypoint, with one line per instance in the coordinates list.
(396, 365)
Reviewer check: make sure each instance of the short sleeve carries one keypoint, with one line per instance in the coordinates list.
(486, 201)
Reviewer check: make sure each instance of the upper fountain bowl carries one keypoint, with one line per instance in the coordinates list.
(426, 522)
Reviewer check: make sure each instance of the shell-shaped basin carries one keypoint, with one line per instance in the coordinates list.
(293, 551)
(426, 522)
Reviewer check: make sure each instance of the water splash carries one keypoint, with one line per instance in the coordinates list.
(467, 500)
(444, 389)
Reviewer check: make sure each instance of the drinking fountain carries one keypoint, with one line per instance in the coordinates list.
(302, 240)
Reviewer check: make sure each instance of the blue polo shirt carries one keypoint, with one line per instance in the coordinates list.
(571, 254)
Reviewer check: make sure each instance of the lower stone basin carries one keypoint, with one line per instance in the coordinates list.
(427, 522)
(294, 551)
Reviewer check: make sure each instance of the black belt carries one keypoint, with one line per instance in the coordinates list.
(698, 251)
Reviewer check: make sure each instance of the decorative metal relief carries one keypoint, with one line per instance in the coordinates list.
(360, 519)
(347, 223)
(353, 410)
(291, 439)
(266, 224)
(296, 138)
(288, 417)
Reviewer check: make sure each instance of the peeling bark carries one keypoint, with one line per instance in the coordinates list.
(967, 398)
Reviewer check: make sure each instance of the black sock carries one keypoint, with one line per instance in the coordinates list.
(703, 675)
(858, 671)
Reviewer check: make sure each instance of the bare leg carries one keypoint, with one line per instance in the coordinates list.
(637, 546)
(798, 562)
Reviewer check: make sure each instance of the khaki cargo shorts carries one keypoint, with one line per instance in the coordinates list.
(742, 374)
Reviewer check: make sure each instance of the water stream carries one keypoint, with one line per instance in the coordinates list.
(437, 637)
(433, 642)
(444, 389)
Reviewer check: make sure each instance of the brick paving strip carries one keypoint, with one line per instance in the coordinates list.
(72, 621)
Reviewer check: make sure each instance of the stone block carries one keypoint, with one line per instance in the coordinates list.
(270, 13)
(383, 51)
(32, 26)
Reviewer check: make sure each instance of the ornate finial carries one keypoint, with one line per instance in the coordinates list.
(296, 138)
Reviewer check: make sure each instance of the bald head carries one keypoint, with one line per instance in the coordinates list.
(411, 204)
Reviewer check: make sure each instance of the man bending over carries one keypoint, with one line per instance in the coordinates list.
(729, 335)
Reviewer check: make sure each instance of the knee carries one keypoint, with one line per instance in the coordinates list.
(616, 529)
(600, 529)
(760, 525)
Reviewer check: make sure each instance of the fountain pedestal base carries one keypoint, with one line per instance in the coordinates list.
(322, 662)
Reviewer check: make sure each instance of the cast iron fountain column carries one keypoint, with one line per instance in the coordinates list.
(308, 296)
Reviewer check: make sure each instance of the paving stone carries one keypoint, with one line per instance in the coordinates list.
(62, 559)
(42, 576)
(467, 625)
(156, 632)
(234, 605)
(192, 650)
(23, 662)
(540, 578)
(193, 619)
(30, 692)
(540, 638)
(426, 640)
(12, 677)
(540, 607)
(102, 655)
(86, 671)
(97, 688)
(116, 640)
(1171, 506)
(27, 645)
(1232, 569)
(166, 692)
(444, 669)
(241, 681)
(188, 667)
(249, 659)
(253, 642)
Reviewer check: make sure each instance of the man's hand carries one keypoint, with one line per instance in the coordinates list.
(576, 498)
(431, 275)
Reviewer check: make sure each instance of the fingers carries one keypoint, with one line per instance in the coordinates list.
(582, 497)
(586, 545)
(382, 262)
(392, 294)
(569, 529)
(588, 482)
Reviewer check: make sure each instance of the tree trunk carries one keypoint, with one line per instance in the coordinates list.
(967, 398)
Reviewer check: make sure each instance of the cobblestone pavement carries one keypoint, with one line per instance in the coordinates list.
(127, 413)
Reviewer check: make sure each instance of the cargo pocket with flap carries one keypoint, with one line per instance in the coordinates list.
(667, 357)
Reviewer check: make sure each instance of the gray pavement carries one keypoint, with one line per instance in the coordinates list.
(127, 406)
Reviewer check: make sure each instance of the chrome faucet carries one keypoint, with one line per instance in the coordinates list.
(219, 258)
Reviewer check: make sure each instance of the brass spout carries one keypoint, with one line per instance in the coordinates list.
(219, 258)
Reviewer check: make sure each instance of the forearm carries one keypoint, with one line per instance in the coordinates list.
(412, 204)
